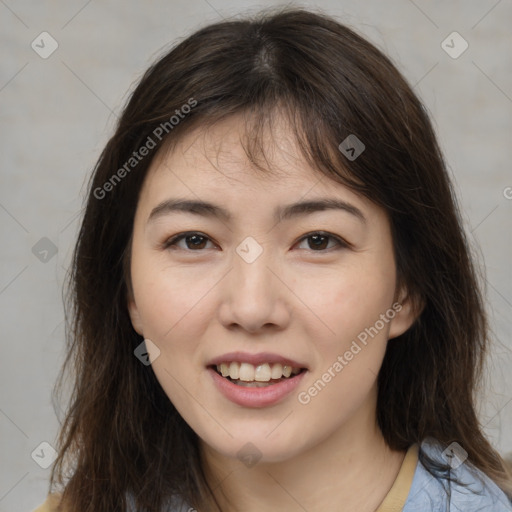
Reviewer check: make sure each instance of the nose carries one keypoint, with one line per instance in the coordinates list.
(255, 296)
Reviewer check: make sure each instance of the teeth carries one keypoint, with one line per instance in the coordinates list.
(234, 370)
(277, 371)
(262, 373)
(246, 372)
(252, 384)
(223, 369)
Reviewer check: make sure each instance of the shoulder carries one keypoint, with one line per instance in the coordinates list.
(53, 500)
(50, 505)
(473, 491)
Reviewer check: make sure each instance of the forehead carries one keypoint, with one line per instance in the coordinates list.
(226, 151)
(216, 160)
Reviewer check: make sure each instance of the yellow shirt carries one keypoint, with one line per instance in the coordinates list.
(396, 497)
(393, 502)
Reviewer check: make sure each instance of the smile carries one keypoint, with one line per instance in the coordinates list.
(254, 393)
(247, 374)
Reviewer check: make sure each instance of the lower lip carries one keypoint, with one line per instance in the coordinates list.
(255, 397)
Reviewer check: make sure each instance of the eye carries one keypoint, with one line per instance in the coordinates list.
(194, 241)
(319, 241)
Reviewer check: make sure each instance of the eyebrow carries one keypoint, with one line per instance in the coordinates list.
(206, 209)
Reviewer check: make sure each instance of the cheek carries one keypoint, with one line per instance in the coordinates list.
(171, 309)
(347, 301)
(171, 298)
(175, 307)
(349, 356)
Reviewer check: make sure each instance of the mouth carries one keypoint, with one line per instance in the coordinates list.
(256, 376)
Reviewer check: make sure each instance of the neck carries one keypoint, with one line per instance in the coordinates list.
(353, 468)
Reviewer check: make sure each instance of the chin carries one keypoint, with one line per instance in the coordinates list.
(256, 448)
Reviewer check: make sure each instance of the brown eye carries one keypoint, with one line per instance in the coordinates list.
(193, 241)
(319, 242)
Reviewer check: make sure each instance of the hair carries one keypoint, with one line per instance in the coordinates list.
(121, 435)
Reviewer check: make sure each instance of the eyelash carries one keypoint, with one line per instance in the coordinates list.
(181, 236)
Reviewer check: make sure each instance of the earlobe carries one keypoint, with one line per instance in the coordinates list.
(407, 311)
(135, 316)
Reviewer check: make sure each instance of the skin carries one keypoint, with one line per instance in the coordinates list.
(294, 300)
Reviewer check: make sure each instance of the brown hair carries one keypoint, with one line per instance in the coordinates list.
(121, 435)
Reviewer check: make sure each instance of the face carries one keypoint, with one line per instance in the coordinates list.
(248, 282)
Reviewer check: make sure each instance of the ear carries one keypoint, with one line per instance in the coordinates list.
(407, 312)
(135, 316)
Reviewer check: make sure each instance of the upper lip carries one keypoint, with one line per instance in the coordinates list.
(255, 359)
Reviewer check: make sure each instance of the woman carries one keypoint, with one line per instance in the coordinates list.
(274, 306)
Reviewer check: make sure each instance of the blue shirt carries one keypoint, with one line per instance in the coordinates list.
(428, 493)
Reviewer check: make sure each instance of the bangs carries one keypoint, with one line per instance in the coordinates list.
(311, 135)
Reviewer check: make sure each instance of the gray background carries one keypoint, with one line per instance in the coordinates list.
(57, 113)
